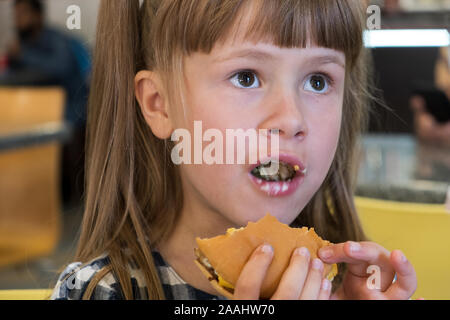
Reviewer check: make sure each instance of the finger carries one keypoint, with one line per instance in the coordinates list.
(248, 285)
(353, 252)
(406, 283)
(325, 290)
(359, 256)
(293, 279)
(313, 281)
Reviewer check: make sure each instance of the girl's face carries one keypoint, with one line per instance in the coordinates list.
(243, 85)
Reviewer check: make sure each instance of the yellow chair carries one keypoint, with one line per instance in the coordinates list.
(421, 231)
(30, 206)
(28, 294)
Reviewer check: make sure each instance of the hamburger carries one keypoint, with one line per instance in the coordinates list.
(222, 258)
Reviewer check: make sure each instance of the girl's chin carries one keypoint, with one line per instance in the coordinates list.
(250, 204)
(284, 214)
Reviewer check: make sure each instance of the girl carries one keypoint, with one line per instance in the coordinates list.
(295, 67)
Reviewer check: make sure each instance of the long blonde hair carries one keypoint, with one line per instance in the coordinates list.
(133, 194)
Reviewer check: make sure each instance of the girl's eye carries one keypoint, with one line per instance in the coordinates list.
(317, 83)
(245, 79)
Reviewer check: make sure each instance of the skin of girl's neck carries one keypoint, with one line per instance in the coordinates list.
(196, 220)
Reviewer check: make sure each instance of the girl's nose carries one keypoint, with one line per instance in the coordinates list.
(285, 116)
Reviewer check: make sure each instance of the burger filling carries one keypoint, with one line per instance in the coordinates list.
(214, 276)
(286, 172)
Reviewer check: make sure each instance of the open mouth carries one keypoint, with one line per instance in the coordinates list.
(286, 172)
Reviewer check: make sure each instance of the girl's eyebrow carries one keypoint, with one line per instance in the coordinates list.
(327, 59)
(265, 56)
(246, 53)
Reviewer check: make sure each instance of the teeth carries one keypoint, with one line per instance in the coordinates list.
(274, 190)
(277, 189)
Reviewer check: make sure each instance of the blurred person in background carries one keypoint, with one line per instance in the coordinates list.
(398, 6)
(41, 55)
(391, 6)
(431, 108)
(387, 6)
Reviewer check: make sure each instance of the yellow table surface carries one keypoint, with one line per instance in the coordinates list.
(29, 294)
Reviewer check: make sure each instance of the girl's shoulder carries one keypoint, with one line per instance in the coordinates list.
(73, 282)
(95, 280)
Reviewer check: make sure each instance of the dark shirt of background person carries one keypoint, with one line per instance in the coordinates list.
(431, 107)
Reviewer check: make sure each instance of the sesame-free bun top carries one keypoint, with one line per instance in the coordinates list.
(228, 253)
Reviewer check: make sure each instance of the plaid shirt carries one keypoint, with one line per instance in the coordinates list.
(73, 281)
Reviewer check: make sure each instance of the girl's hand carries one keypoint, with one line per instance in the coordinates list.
(359, 256)
(301, 280)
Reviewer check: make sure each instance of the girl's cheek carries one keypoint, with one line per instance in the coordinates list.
(324, 135)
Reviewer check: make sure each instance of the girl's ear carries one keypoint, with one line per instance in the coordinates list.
(154, 107)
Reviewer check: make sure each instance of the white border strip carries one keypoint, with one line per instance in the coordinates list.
(407, 38)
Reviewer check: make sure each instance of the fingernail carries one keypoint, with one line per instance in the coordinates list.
(402, 257)
(355, 247)
(326, 284)
(317, 264)
(326, 253)
(302, 252)
(267, 248)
